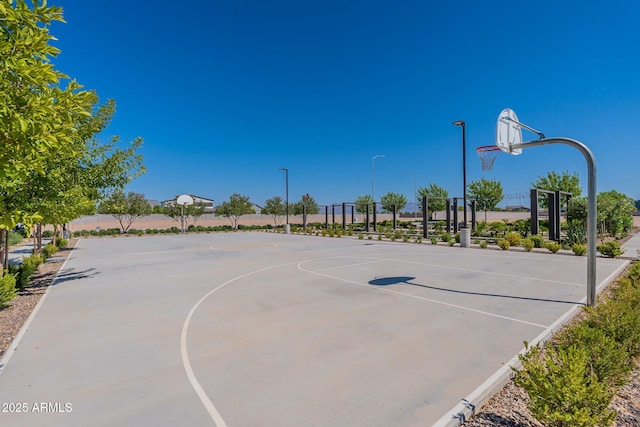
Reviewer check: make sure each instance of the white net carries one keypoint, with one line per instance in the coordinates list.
(488, 155)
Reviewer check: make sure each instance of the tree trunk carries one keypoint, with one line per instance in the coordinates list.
(4, 252)
(5, 264)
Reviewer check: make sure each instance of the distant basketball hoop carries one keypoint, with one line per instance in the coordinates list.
(488, 155)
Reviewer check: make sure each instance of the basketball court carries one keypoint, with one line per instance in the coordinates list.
(262, 329)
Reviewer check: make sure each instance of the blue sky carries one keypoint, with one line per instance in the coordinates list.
(225, 93)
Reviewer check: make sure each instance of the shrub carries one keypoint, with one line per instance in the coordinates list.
(538, 241)
(15, 238)
(579, 249)
(7, 288)
(563, 389)
(62, 243)
(608, 358)
(419, 240)
(503, 244)
(360, 236)
(456, 237)
(47, 234)
(483, 244)
(610, 249)
(446, 237)
(48, 250)
(513, 238)
(451, 242)
(528, 244)
(553, 247)
(397, 234)
(369, 237)
(25, 270)
(434, 240)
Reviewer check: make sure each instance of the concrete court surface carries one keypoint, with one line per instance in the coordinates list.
(260, 329)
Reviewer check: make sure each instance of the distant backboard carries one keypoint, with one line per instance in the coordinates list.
(185, 200)
(508, 132)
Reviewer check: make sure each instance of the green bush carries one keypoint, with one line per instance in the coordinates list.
(538, 240)
(528, 244)
(62, 243)
(579, 249)
(434, 240)
(610, 249)
(563, 389)
(446, 237)
(483, 244)
(397, 234)
(456, 237)
(360, 236)
(7, 288)
(25, 270)
(608, 358)
(15, 238)
(48, 250)
(503, 244)
(47, 234)
(513, 238)
(553, 247)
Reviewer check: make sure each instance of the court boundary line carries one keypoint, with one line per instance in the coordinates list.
(186, 362)
(416, 296)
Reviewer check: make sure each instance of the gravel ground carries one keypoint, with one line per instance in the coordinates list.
(507, 408)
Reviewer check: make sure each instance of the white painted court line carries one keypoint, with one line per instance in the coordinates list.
(560, 282)
(208, 404)
(417, 297)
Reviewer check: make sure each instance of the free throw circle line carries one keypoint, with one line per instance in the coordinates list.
(208, 404)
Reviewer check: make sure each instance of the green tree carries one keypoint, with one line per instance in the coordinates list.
(237, 206)
(577, 210)
(306, 206)
(438, 194)
(126, 208)
(487, 193)
(554, 181)
(362, 202)
(615, 212)
(191, 213)
(38, 117)
(390, 199)
(276, 208)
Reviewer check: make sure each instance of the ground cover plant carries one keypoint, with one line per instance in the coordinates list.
(572, 380)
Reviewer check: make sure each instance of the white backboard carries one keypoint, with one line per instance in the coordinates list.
(185, 200)
(508, 132)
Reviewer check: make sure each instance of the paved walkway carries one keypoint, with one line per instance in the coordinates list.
(260, 329)
(632, 247)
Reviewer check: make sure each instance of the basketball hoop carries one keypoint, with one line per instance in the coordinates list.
(488, 155)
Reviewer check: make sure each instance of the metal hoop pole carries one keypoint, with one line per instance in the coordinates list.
(591, 205)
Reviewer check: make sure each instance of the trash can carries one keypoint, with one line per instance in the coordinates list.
(465, 237)
(287, 228)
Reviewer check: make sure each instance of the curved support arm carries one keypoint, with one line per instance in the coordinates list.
(591, 205)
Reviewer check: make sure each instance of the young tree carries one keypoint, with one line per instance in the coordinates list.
(362, 202)
(554, 181)
(37, 116)
(437, 203)
(306, 206)
(233, 209)
(615, 212)
(487, 193)
(276, 209)
(191, 213)
(390, 199)
(126, 208)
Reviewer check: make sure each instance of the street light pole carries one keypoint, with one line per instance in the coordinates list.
(286, 174)
(373, 198)
(464, 167)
